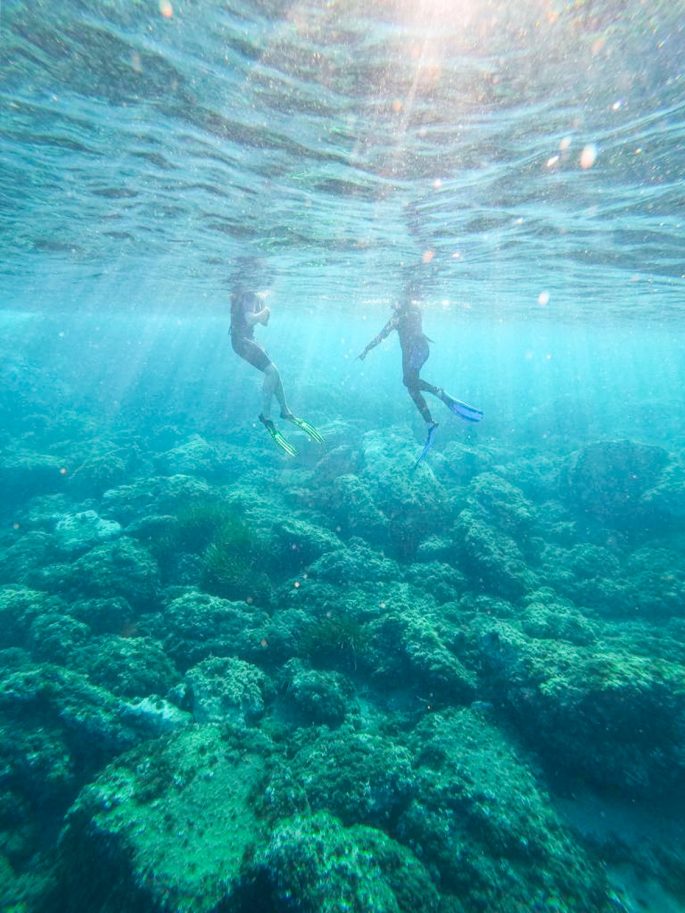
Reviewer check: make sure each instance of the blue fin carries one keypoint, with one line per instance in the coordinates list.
(427, 446)
(463, 410)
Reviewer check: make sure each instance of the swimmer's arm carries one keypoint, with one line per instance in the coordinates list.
(253, 310)
(254, 317)
(387, 329)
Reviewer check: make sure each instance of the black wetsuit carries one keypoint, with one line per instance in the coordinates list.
(415, 352)
(242, 332)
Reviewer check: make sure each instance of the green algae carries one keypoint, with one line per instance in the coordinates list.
(337, 639)
(230, 552)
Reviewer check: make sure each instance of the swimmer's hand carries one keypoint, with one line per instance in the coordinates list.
(263, 316)
(362, 355)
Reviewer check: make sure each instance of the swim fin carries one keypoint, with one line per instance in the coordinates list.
(427, 446)
(463, 410)
(277, 437)
(306, 427)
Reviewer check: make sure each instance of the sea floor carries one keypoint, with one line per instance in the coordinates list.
(232, 680)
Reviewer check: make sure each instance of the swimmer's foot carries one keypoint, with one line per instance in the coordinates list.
(463, 410)
(277, 437)
(303, 426)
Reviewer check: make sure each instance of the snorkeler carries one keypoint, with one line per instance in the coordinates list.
(415, 351)
(247, 310)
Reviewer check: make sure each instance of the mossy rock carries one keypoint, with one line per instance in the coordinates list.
(121, 568)
(355, 562)
(297, 543)
(486, 823)
(408, 647)
(504, 505)
(21, 556)
(166, 827)
(315, 696)
(94, 725)
(127, 666)
(490, 558)
(154, 495)
(359, 777)
(194, 626)
(606, 479)
(598, 711)
(19, 609)
(315, 865)
(56, 638)
(226, 689)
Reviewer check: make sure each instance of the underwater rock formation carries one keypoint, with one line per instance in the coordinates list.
(225, 689)
(359, 777)
(355, 562)
(194, 626)
(315, 865)
(195, 457)
(150, 496)
(77, 532)
(490, 558)
(19, 608)
(173, 825)
(611, 715)
(480, 820)
(352, 687)
(406, 646)
(316, 696)
(665, 502)
(607, 480)
(127, 666)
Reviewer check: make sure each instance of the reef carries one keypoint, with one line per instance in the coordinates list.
(354, 688)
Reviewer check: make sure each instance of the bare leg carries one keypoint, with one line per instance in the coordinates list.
(271, 387)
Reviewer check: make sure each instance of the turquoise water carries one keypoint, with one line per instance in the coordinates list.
(241, 682)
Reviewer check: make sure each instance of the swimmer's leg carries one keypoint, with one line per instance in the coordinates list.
(413, 383)
(463, 410)
(271, 387)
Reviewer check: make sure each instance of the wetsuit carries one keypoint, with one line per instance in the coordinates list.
(242, 332)
(415, 352)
